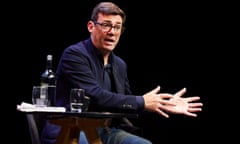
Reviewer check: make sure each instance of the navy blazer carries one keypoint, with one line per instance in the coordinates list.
(81, 67)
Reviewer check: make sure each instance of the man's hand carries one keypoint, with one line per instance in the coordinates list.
(156, 102)
(164, 103)
(187, 106)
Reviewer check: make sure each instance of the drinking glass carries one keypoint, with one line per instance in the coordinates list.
(43, 95)
(78, 100)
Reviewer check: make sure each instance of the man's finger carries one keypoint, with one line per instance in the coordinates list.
(180, 93)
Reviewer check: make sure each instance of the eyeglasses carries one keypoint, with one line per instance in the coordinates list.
(106, 27)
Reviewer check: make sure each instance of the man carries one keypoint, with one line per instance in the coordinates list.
(92, 65)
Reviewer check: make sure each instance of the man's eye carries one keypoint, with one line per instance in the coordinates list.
(117, 27)
(106, 25)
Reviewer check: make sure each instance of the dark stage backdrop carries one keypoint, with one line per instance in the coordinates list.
(166, 44)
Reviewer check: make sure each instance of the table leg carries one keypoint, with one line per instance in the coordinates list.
(71, 127)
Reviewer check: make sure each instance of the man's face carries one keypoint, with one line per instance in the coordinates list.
(106, 31)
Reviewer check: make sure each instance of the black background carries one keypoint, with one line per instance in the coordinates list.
(168, 44)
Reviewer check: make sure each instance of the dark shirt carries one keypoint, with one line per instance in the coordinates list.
(107, 78)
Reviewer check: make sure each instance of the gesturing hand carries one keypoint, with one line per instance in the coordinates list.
(164, 103)
(187, 106)
(158, 102)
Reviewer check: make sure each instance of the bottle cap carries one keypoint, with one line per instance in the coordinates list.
(49, 57)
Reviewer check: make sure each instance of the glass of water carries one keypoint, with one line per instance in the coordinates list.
(43, 95)
(78, 101)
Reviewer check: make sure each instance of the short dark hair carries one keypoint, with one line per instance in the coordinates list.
(108, 8)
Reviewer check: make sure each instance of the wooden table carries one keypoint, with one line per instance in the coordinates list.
(72, 123)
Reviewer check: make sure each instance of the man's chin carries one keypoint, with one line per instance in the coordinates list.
(109, 48)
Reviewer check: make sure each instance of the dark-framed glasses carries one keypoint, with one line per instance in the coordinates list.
(106, 27)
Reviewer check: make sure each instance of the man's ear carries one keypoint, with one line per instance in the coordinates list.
(90, 26)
